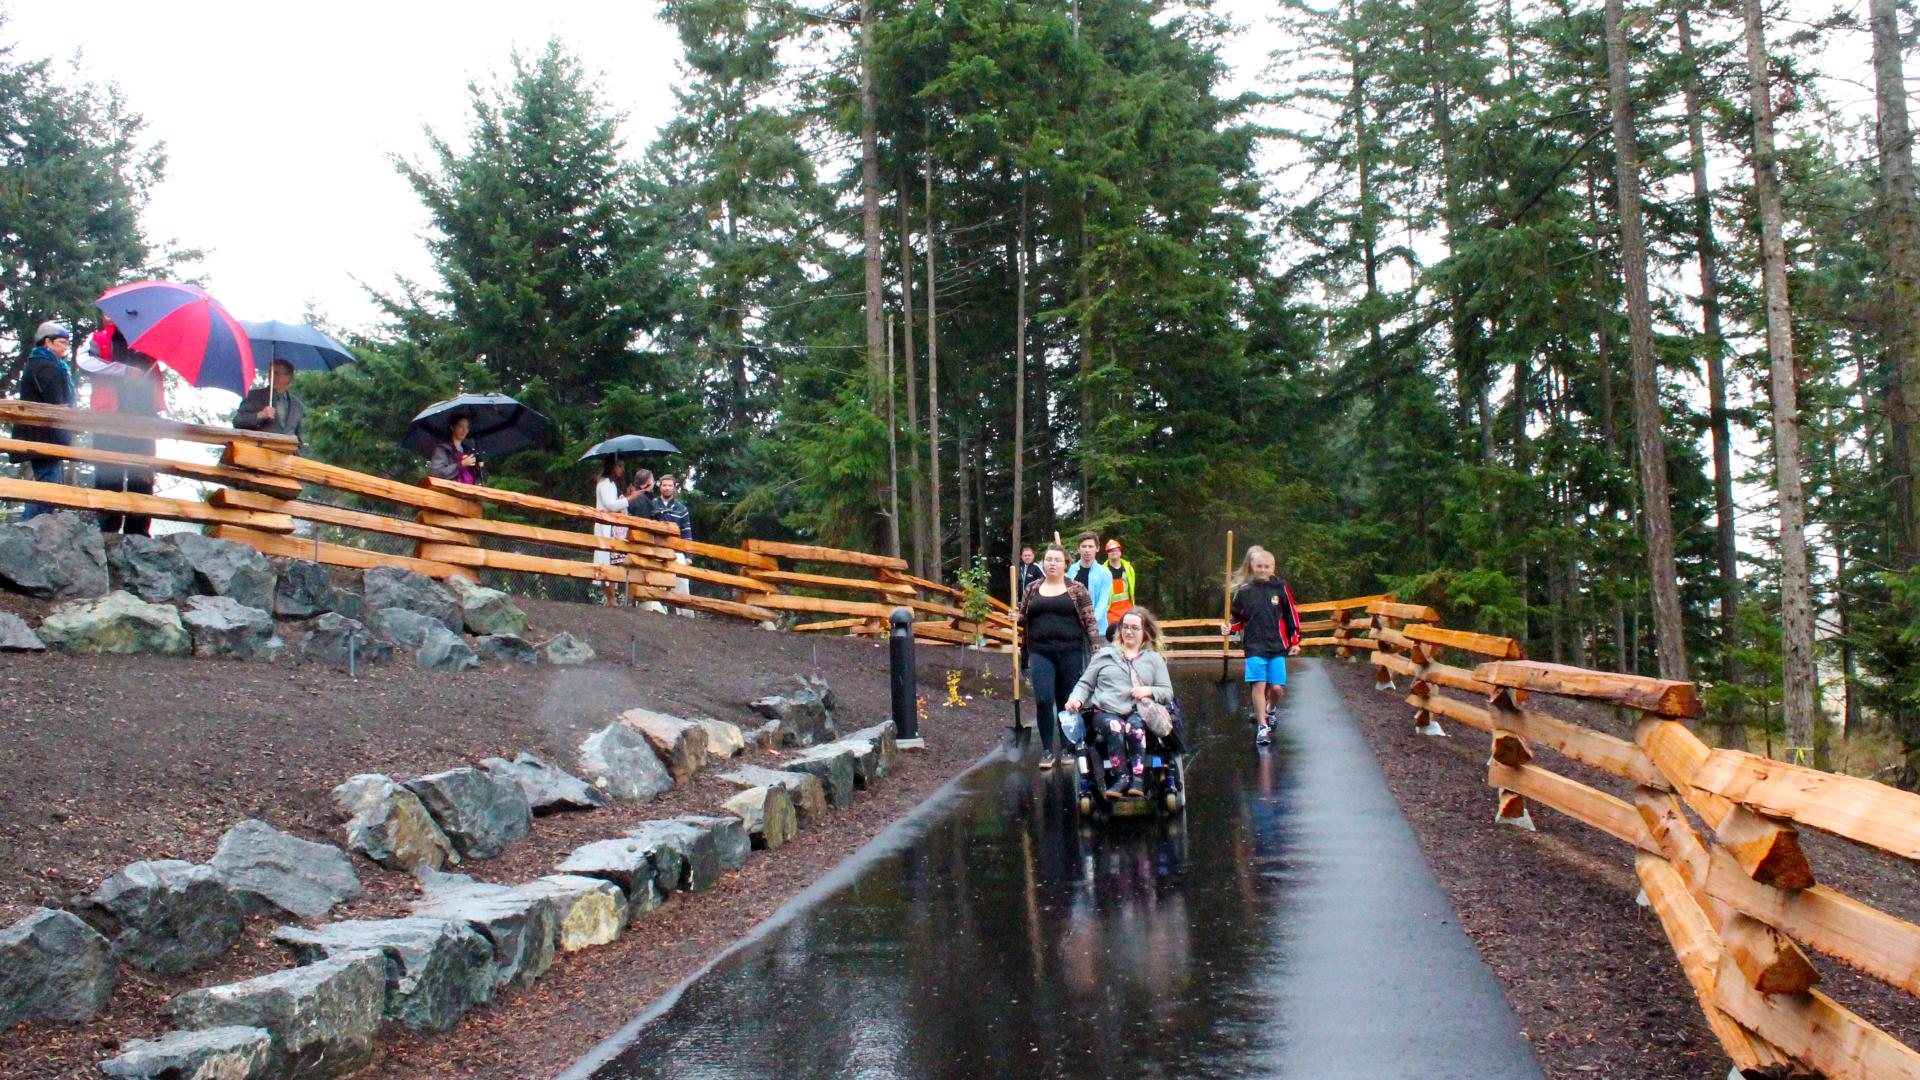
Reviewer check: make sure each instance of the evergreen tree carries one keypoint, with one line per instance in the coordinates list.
(75, 173)
(549, 273)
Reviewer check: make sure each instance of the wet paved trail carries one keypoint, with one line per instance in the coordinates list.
(1285, 926)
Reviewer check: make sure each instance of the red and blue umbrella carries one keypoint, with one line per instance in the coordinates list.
(185, 329)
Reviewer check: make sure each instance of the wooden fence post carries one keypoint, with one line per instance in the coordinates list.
(1509, 749)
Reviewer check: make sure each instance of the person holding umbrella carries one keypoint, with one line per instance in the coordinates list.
(609, 495)
(455, 433)
(273, 407)
(129, 382)
(455, 458)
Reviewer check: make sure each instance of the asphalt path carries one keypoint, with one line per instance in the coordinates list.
(1284, 925)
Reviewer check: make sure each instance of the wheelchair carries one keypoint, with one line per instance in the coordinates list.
(1164, 792)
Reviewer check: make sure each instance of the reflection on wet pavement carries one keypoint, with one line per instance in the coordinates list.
(1006, 938)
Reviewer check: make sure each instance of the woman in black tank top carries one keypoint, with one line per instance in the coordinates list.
(1056, 624)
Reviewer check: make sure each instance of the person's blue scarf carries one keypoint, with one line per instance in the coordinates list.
(41, 352)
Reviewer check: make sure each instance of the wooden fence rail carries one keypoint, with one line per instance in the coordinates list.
(264, 488)
(1736, 895)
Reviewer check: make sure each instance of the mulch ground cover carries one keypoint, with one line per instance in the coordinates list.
(110, 760)
(1590, 973)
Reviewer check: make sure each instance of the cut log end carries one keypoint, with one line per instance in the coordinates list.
(1510, 749)
(1512, 810)
(1769, 851)
(1770, 962)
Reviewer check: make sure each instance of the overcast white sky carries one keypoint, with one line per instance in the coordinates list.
(280, 119)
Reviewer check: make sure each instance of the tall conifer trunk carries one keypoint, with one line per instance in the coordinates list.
(916, 488)
(936, 528)
(1669, 637)
(870, 208)
(893, 454)
(1899, 244)
(1706, 250)
(1796, 590)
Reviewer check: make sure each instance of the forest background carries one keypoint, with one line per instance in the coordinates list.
(1594, 325)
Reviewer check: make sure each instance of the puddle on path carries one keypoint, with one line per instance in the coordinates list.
(1005, 939)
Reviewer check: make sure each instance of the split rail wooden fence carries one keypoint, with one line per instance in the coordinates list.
(265, 487)
(1715, 834)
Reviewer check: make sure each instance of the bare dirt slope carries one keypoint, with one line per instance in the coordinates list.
(110, 760)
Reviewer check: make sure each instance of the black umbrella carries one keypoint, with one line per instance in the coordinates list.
(631, 444)
(497, 424)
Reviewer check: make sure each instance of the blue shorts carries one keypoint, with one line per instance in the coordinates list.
(1267, 669)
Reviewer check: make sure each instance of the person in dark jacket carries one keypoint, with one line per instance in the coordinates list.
(129, 382)
(1269, 624)
(670, 509)
(272, 408)
(455, 457)
(1030, 572)
(48, 380)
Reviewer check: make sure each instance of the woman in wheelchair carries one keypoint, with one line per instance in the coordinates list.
(1123, 680)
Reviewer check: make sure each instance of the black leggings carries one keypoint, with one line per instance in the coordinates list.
(1054, 675)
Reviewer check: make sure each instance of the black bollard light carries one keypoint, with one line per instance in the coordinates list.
(905, 680)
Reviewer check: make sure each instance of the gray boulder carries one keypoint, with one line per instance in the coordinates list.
(226, 568)
(886, 746)
(149, 567)
(167, 916)
(222, 1053)
(565, 650)
(120, 622)
(306, 589)
(480, 812)
(523, 927)
(768, 814)
(643, 867)
(866, 759)
(55, 556)
(767, 736)
(487, 611)
(403, 626)
(322, 1017)
(506, 648)
(17, 636)
(706, 847)
(444, 650)
(682, 744)
(53, 967)
(724, 740)
(223, 626)
(808, 793)
(435, 969)
(388, 824)
(591, 911)
(548, 788)
(805, 715)
(726, 833)
(391, 586)
(622, 764)
(833, 764)
(329, 638)
(269, 871)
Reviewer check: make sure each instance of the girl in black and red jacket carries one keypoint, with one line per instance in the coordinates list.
(1264, 613)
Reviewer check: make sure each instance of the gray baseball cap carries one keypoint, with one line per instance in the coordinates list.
(52, 328)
